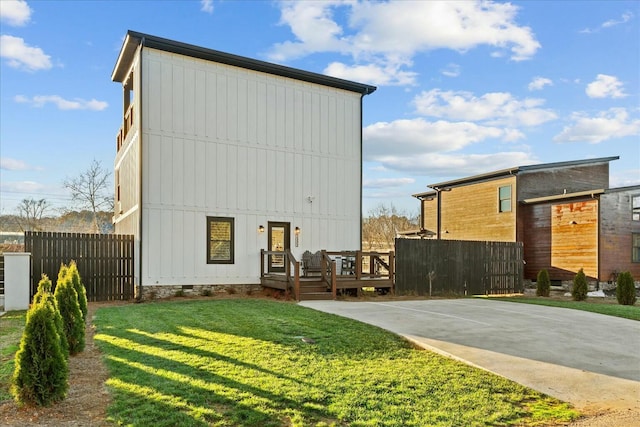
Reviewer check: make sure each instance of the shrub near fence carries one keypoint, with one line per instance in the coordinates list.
(458, 267)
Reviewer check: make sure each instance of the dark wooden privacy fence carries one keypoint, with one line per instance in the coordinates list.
(1, 274)
(458, 267)
(105, 261)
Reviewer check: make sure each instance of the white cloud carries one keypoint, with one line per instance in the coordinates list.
(21, 55)
(15, 12)
(539, 82)
(206, 6)
(373, 74)
(624, 178)
(494, 108)
(387, 182)
(456, 165)
(605, 86)
(611, 124)
(22, 187)
(61, 103)
(451, 70)
(406, 138)
(389, 34)
(9, 164)
(624, 18)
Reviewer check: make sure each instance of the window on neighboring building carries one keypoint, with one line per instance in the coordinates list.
(635, 250)
(635, 207)
(219, 240)
(504, 199)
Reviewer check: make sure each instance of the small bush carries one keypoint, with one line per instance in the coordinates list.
(41, 374)
(543, 284)
(179, 293)
(72, 320)
(580, 286)
(230, 290)
(44, 294)
(206, 292)
(80, 289)
(625, 289)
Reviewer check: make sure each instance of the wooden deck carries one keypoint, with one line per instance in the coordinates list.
(333, 279)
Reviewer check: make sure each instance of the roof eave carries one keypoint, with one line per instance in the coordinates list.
(173, 46)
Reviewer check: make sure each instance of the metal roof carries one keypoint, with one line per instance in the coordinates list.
(134, 39)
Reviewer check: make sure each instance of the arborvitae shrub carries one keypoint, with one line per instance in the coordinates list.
(625, 289)
(580, 286)
(41, 374)
(79, 287)
(72, 320)
(543, 284)
(44, 294)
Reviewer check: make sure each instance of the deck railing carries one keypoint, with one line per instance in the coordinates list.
(359, 270)
(125, 128)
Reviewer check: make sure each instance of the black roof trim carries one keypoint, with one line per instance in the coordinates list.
(180, 48)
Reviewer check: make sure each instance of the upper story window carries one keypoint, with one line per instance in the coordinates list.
(635, 207)
(504, 199)
(635, 247)
(220, 240)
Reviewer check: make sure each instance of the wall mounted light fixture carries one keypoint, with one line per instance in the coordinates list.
(297, 233)
(261, 228)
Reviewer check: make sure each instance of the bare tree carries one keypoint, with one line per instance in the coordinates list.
(90, 190)
(381, 227)
(30, 213)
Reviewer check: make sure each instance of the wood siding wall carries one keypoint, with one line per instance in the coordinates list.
(223, 141)
(459, 267)
(470, 212)
(616, 229)
(561, 237)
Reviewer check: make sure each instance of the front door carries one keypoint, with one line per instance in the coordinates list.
(279, 240)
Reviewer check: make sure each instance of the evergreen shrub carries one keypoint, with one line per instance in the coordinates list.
(44, 294)
(580, 286)
(625, 289)
(41, 374)
(543, 284)
(79, 287)
(72, 320)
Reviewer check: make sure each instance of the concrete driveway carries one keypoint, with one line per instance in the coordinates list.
(590, 360)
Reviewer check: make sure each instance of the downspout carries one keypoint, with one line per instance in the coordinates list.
(362, 95)
(140, 186)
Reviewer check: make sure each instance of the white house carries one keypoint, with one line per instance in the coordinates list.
(220, 156)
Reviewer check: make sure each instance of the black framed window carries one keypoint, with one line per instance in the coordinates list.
(220, 240)
(635, 207)
(635, 249)
(504, 199)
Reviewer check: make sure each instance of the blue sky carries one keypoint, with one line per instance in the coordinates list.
(463, 87)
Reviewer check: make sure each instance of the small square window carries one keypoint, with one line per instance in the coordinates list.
(504, 199)
(220, 240)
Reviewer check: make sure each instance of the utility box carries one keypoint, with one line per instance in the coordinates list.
(17, 280)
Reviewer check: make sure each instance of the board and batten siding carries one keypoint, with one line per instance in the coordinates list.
(219, 140)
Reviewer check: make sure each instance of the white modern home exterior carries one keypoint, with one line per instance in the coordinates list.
(215, 147)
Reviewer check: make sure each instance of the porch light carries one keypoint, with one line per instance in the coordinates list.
(297, 230)
(297, 233)
(261, 228)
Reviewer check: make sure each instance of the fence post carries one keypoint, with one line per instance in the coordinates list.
(17, 280)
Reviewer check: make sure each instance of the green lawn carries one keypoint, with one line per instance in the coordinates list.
(11, 327)
(608, 306)
(242, 362)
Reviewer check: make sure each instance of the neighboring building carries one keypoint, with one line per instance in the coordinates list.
(221, 156)
(564, 213)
